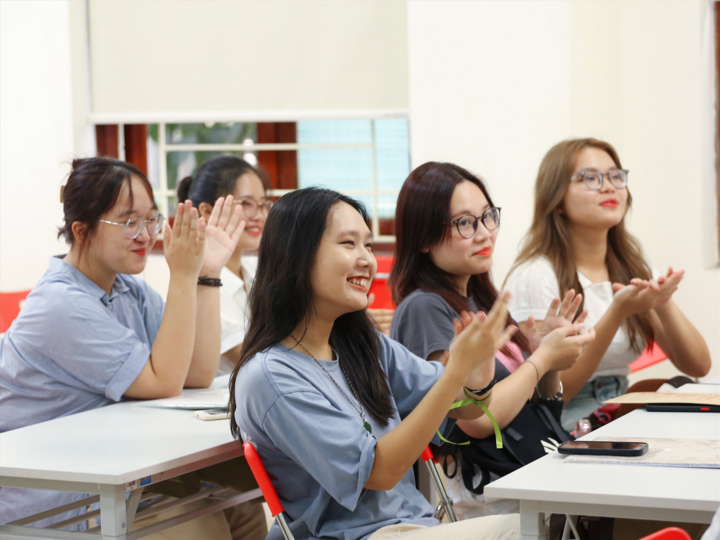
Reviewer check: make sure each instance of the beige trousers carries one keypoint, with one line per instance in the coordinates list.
(505, 527)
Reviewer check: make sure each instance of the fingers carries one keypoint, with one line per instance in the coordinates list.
(582, 317)
(216, 211)
(506, 336)
(235, 236)
(225, 212)
(457, 326)
(530, 323)
(617, 287)
(201, 232)
(167, 237)
(573, 309)
(499, 312)
(192, 217)
(179, 217)
(566, 303)
(582, 339)
(553, 309)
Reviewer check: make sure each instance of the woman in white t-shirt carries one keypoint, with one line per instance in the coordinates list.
(219, 177)
(578, 241)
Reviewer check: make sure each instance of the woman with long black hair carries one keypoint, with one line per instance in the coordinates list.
(338, 412)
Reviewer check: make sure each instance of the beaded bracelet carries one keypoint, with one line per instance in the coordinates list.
(209, 281)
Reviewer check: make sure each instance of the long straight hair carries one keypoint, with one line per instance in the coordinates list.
(422, 221)
(282, 297)
(549, 235)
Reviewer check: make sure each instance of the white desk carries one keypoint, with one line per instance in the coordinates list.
(112, 451)
(549, 485)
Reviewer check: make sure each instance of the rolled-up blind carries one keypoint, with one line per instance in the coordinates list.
(268, 59)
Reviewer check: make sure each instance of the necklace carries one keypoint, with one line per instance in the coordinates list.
(360, 411)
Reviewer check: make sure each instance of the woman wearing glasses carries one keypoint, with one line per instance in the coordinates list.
(219, 177)
(578, 241)
(91, 333)
(446, 228)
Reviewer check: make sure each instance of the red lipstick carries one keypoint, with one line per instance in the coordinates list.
(485, 252)
(610, 203)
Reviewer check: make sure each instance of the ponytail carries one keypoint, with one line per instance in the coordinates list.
(183, 189)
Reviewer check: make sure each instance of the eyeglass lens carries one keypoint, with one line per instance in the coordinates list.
(134, 226)
(250, 207)
(467, 225)
(594, 180)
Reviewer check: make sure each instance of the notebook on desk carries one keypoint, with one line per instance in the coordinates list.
(692, 453)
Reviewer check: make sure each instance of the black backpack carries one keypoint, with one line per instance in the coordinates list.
(523, 438)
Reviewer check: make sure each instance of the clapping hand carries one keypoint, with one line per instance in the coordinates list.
(223, 232)
(558, 315)
(642, 295)
(184, 242)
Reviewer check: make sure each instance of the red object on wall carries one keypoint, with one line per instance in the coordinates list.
(379, 287)
(648, 358)
(10, 305)
(671, 533)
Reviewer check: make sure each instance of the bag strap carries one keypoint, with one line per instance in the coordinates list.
(554, 424)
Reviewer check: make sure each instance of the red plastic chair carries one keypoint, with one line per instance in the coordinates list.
(276, 507)
(445, 501)
(379, 286)
(10, 305)
(268, 491)
(671, 533)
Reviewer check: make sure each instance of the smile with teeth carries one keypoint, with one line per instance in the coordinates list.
(359, 281)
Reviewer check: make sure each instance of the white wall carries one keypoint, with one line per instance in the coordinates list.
(36, 135)
(493, 85)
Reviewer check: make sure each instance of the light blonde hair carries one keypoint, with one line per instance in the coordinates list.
(549, 235)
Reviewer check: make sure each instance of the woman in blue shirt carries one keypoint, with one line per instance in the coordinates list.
(339, 413)
(90, 333)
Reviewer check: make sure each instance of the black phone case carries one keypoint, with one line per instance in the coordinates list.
(602, 452)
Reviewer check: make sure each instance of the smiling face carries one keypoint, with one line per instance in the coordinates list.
(344, 265)
(604, 208)
(249, 187)
(110, 251)
(464, 257)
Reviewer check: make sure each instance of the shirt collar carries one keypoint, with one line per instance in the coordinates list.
(59, 265)
(230, 282)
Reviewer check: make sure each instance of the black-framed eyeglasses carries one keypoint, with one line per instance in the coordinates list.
(134, 226)
(593, 180)
(251, 206)
(467, 224)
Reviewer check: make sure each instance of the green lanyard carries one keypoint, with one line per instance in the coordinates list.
(479, 403)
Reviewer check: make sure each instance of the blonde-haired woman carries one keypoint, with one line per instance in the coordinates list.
(578, 241)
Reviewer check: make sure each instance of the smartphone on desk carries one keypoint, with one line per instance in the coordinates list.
(212, 414)
(603, 448)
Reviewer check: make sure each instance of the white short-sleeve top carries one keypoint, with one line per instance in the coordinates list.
(233, 308)
(534, 285)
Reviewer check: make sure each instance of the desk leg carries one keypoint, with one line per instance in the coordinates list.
(532, 521)
(113, 512)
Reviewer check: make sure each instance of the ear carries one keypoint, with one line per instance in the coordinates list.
(425, 249)
(79, 230)
(205, 210)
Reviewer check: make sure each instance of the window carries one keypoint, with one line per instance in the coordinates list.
(367, 159)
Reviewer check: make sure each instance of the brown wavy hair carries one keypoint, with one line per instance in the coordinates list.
(549, 235)
(422, 220)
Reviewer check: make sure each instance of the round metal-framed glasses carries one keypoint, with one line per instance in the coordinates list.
(134, 226)
(467, 225)
(250, 207)
(593, 180)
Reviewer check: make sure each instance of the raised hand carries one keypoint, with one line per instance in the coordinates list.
(562, 347)
(558, 315)
(478, 337)
(223, 232)
(381, 317)
(184, 243)
(668, 285)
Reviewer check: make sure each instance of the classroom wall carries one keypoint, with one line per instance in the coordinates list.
(36, 135)
(493, 85)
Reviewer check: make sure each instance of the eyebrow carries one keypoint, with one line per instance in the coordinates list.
(131, 211)
(355, 233)
(468, 213)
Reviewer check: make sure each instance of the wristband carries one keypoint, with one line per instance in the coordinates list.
(483, 391)
(209, 281)
(557, 397)
(479, 402)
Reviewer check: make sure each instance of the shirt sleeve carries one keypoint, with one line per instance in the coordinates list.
(232, 323)
(410, 379)
(533, 286)
(301, 423)
(423, 324)
(90, 346)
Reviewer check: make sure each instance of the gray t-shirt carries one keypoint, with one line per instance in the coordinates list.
(423, 322)
(314, 446)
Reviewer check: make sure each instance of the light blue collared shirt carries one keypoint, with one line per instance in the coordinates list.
(73, 348)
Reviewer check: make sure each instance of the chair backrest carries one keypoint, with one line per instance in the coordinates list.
(10, 305)
(671, 533)
(262, 479)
